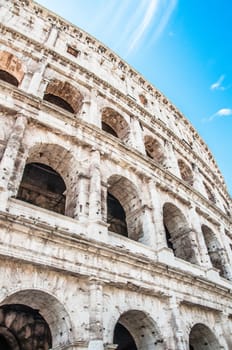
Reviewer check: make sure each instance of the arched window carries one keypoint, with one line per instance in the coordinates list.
(23, 319)
(64, 95)
(185, 172)
(43, 186)
(135, 330)
(214, 249)
(11, 69)
(115, 124)
(209, 193)
(154, 149)
(202, 338)
(178, 233)
(124, 208)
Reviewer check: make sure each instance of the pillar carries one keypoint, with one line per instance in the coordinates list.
(176, 325)
(95, 315)
(171, 162)
(82, 204)
(137, 135)
(37, 77)
(95, 187)
(10, 155)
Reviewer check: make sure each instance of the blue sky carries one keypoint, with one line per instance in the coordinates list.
(183, 47)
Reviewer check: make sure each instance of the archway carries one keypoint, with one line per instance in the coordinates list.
(178, 233)
(185, 172)
(41, 185)
(214, 249)
(11, 69)
(57, 166)
(64, 95)
(202, 338)
(22, 327)
(124, 208)
(52, 321)
(115, 124)
(135, 330)
(154, 149)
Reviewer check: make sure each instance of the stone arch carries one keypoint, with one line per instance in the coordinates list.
(178, 233)
(11, 68)
(49, 309)
(56, 163)
(185, 172)
(214, 249)
(209, 193)
(23, 327)
(154, 149)
(126, 195)
(201, 338)
(64, 95)
(115, 124)
(135, 330)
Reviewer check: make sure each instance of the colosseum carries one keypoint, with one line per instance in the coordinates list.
(115, 221)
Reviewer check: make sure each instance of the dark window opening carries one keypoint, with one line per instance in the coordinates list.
(58, 101)
(8, 78)
(168, 238)
(43, 186)
(123, 338)
(108, 129)
(4, 344)
(116, 216)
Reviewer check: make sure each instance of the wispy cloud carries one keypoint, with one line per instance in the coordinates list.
(155, 18)
(143, 26)
(219, 84)
(223, 112)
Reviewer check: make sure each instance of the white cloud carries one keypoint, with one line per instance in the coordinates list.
(218, 85)
(149, 14)
(223, 112)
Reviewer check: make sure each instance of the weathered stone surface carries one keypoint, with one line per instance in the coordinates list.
(115, 222)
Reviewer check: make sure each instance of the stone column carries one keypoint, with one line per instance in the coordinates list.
(180, 342)
(7, 165)
(94, 115)
(137, 134)
(52, 37)
(196, 227)
(198, 181)
(224, 323)
(171, 162)
(81, 207)
(37, 75)
(95, 315)
(160, 237)
(95, 187)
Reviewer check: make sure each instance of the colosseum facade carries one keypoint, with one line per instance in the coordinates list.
(115, 221)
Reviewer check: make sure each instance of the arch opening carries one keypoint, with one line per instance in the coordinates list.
(116, 216)
(115, 124)
(124, 210)
(64, 95)
(9, 78)
(214, 249)
(22, 327)
(42, 186)
(53, 319)
(11, 68)
(154, 150)
(178, 233)
(58, 101)
(202, 338)
(185, 172)
(135, 330)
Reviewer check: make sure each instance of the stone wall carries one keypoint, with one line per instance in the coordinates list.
(115, 222)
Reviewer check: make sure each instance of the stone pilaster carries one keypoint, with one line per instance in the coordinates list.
(7, 165)
(82, 204)
(95, 187)
(177, 327)
(95, 315)
(137, 135)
